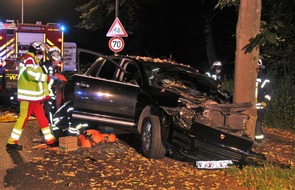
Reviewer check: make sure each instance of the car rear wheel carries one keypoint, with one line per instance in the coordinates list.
(151, 140)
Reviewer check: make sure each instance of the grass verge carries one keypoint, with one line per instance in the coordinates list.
(265, 177)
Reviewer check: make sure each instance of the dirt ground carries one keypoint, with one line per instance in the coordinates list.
(118, 165)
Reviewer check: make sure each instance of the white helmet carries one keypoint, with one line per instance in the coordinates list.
(217, 64)
(39, 46)
(260, 64)
(56, 56)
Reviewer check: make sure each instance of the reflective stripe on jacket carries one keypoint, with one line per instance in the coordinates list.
(49, 70)
(32, 82)
(212, 73)
(263, 91)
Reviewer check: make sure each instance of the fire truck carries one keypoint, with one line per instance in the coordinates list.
(15, 39)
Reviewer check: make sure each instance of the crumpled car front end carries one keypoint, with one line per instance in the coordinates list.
(213, 132)
(206, 125)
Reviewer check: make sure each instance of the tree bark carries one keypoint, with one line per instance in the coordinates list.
(246, 64)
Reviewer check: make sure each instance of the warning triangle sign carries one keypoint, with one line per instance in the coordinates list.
(117, 29)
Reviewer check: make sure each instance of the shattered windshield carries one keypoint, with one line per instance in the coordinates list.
(183, 80)
(175, 74)
(154, 69)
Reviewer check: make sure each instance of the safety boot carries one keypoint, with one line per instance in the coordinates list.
(54, 144)
(13, 147)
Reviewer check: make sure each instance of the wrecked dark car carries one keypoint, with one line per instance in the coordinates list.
(169, 105)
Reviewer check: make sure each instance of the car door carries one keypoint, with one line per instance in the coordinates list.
(100, 97)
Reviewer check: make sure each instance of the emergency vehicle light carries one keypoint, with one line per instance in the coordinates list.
(1, 38)
(62, 28)
(59, 40)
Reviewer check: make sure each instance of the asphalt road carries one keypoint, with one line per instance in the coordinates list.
(11, 160)
(118, 165)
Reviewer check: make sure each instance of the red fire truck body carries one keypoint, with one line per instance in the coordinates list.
(15, 38)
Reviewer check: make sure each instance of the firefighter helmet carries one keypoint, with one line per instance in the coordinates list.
(217, 64)
(56, 56)
(38, 47)
(260, 64)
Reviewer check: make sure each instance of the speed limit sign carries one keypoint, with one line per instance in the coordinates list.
(116, 44)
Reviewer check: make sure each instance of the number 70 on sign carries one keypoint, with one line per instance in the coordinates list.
(116, 44)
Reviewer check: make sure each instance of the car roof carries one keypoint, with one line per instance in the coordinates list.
(144, 59)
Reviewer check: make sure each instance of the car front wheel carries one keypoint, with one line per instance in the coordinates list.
(151, 140)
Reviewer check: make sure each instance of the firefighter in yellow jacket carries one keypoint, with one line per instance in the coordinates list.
(32, 90)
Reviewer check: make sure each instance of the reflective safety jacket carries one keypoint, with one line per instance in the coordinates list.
(211, 73)
(263, 91)
(216, 76)
(49, 70)
(32, 82)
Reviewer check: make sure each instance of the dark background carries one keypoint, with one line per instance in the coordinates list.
(53, 11)
(171, 29)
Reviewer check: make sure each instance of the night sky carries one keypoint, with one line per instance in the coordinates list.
(54, 11)
(62, 11)
(57, 11)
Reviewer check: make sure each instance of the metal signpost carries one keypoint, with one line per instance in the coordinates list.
(116, 31)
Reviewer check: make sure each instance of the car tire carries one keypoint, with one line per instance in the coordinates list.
(151, 140)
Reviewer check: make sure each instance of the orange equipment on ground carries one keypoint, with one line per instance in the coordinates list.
(92, 137)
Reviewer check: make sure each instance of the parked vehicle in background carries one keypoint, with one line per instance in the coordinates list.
(15, 38)
(168, 104)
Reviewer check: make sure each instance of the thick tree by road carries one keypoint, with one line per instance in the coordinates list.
(246, 62)
(247, 54)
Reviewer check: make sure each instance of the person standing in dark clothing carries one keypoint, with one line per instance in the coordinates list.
(50, 67)
(263, 96)
(215, 72)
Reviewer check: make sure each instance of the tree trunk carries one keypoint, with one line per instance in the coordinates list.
(246, 64)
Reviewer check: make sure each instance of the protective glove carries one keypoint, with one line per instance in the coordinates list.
(263, 104)
(56, 80)
(53, 77)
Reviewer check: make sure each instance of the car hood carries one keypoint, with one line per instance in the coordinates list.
(199, 100)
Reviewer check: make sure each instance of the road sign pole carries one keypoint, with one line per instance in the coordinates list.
(116, 16)
(117, 9)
